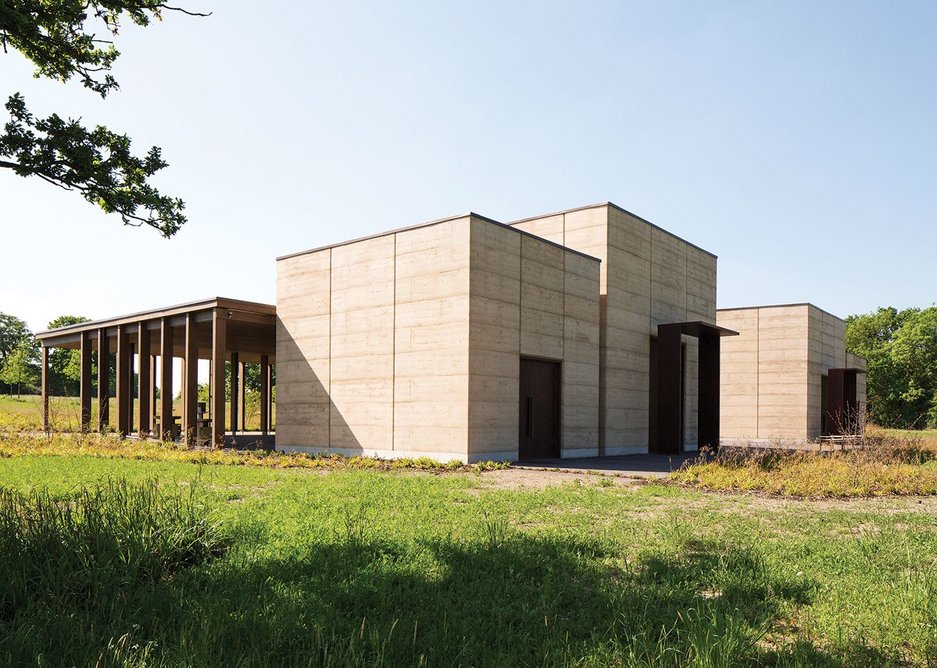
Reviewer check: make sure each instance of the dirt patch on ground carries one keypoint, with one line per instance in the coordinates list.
(891, 504)
(534, 478)
(529, 478)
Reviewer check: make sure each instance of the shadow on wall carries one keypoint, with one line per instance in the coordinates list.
(306, 414)
(357, 597)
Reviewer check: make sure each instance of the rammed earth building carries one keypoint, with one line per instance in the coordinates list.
(788, 376)
(580, 333)
(585, 332)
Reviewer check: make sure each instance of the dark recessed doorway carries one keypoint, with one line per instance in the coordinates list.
(539, 425)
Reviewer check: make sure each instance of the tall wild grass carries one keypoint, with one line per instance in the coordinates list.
(89, 553)
(879, 463)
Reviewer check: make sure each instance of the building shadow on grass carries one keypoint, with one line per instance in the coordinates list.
(509, 600)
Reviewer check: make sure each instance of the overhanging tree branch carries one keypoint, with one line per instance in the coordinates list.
(97, 163)
(58, 37)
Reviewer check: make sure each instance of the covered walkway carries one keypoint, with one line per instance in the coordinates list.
(145, 346)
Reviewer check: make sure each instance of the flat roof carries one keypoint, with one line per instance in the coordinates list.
(623, 210)
(177, 309)
(808, 304)
(469, 215)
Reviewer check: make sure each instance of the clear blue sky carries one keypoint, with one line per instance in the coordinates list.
(796, 140)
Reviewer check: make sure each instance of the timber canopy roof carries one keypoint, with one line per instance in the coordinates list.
(251, 327)
(217, 329)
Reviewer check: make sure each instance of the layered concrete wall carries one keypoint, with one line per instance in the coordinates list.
(304, 328)
(409, 343)
(738, 366)
(375, 348)
(431, 367)
(534, 299)
(648, 277)
(764, 373)
(827, 350)
(772, 373)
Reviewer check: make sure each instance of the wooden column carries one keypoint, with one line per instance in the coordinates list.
(104, 380)
(165, 380)
(264, 394)
(669, 389)
(242, 394)
(709, 346)
(190, 382)
(235, 392)
(45, 389)
(218, 347)
(84, 382)
(123, 386)
(143, 376)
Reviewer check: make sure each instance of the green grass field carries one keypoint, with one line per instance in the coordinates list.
(25, 413)
(407, 568)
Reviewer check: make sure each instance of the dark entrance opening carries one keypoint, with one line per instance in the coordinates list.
(840, 403)
(824, 391)
(653, 382)
(668, 366)
(539, 424)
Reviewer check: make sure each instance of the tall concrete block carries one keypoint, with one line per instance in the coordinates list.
(772, 375)
(431, 323)
(410, 342)
(531, 298)
(647, 277)
(362, 343)
(303, 350)
(495, 332)
(580, 395)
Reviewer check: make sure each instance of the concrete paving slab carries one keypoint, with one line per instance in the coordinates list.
(637, 466)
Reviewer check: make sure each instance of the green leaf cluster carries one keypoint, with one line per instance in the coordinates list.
(60, 39)
(97, 163)
(64, 363)
(21, 367)
(19, 354)
(900, 348)
(57, 36)
(13, 331)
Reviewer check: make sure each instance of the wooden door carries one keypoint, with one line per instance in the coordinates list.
(539, 425)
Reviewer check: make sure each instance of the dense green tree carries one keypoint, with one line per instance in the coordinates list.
(901, 350)
(251, 381)
(871, 331)
(21, 366)
(13, 332)
(252, 376)
(65, 364)
(60, 39)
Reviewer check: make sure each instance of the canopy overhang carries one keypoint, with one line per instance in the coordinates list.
(669, 398)
(218, 329)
